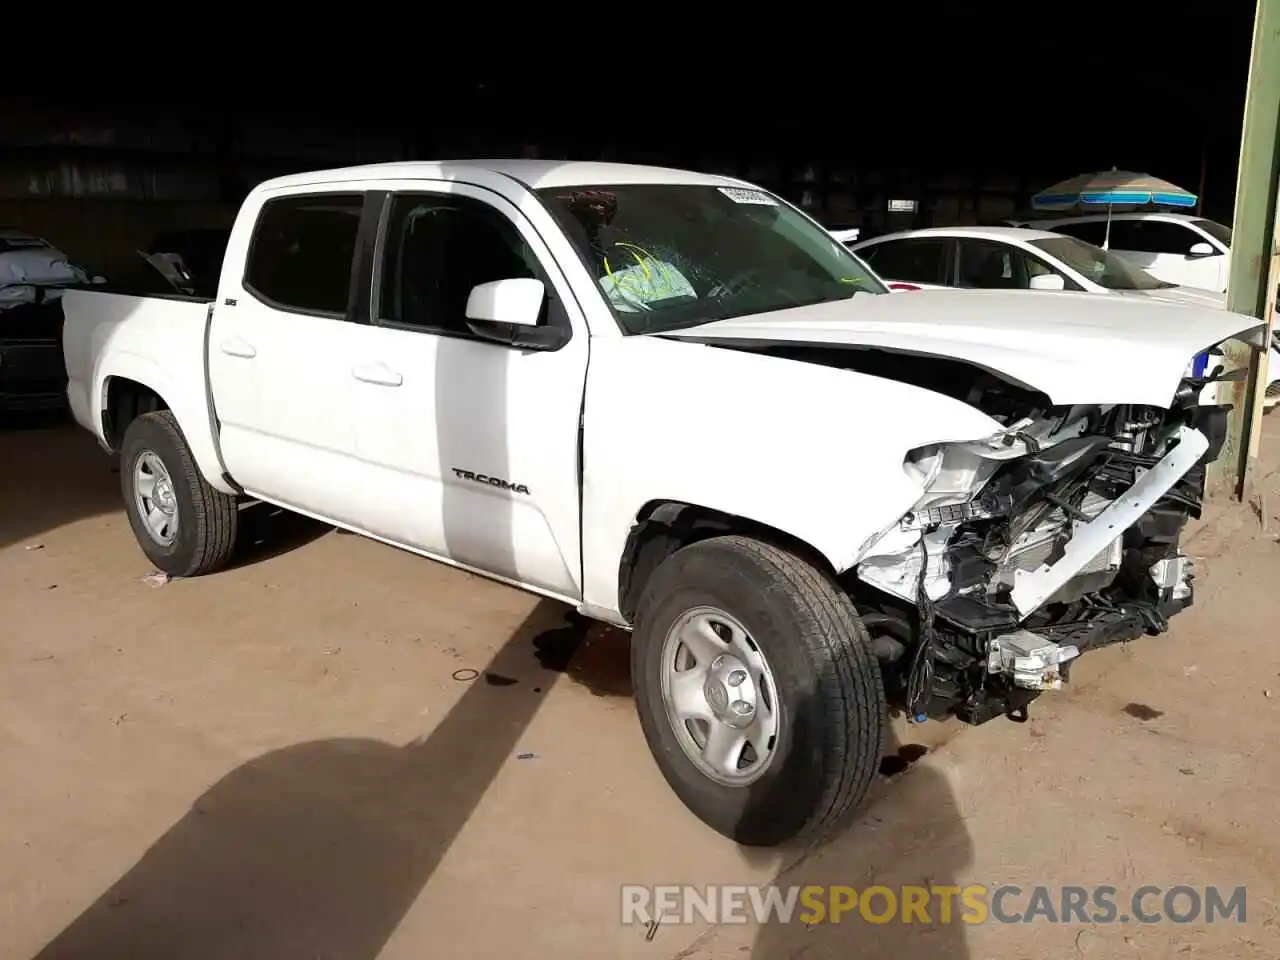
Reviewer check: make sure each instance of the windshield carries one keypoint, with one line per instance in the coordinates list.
(1216, 230)
(1095, 264)
(670, 256)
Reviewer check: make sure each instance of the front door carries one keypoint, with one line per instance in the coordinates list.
(473, 446)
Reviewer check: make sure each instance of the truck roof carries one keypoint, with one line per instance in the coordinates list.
(534, 174)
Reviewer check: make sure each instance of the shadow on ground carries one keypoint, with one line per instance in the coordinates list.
(909, 832)
(319, 849)
(54, 474)
(268, 531)
(590, 653)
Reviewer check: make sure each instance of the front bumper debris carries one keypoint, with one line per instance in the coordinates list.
(1029, 660)
(1033, 587)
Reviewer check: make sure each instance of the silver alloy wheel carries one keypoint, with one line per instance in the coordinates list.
(720, 696)
(154, 498)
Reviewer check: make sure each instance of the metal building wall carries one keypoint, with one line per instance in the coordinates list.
(101, 184)
(101, 188)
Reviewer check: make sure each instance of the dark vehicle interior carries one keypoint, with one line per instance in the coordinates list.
(186, 262)
(200, 253)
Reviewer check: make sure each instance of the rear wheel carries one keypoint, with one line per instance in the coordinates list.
(757, 690)
(184, 526)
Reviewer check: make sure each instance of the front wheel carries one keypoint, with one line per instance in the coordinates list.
(184, 526)
(757, 690)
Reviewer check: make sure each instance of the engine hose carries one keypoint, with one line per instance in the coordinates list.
(920, 680)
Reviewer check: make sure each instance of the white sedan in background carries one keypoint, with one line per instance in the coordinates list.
(1015, 258)
(1177, 247)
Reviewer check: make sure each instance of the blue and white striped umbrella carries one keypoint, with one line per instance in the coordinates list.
(1111, 187)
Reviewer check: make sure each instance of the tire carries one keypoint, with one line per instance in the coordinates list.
(828, 693)
(205, 534)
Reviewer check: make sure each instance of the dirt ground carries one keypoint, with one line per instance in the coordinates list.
(338, 750)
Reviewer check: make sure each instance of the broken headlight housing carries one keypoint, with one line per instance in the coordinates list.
(953, 477)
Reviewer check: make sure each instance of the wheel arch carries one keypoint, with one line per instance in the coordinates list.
(122, 401)
(132, 386)
(663, 526)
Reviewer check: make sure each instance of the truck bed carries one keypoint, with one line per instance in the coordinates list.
(156, 340)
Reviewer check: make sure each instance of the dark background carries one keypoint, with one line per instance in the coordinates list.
(967, 109)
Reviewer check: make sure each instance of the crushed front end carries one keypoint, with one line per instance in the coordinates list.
(1057, 535)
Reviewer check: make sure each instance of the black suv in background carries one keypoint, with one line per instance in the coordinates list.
(33, 274)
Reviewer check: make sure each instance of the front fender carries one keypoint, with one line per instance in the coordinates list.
(813, 451)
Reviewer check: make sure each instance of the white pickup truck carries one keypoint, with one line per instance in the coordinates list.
(675, 402)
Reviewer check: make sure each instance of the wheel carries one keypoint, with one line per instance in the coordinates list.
(757, 690)
(184, 526)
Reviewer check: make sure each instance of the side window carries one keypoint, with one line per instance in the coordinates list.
(1090, 232)
(1036, 267)
(916, 260)
(986, 265)
(1152, 236)
(437, 248)
(301, 252)
(992, 266)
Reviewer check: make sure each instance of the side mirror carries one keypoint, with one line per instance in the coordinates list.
(509, 311)
(1048, 281)
(1201, 249)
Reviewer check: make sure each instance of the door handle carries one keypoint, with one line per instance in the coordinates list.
(377, 373)
(239, 348)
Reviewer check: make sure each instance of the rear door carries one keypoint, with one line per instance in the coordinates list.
(279, 353)
(472, 445)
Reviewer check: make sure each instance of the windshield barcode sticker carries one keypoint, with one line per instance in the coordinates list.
(740, 195)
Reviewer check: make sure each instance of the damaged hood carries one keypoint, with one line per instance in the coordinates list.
(1075, 348)
(1183, 296)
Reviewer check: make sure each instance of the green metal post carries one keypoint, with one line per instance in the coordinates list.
(1251, 287)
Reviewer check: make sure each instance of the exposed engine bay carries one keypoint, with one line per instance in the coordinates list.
(1056, 535)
